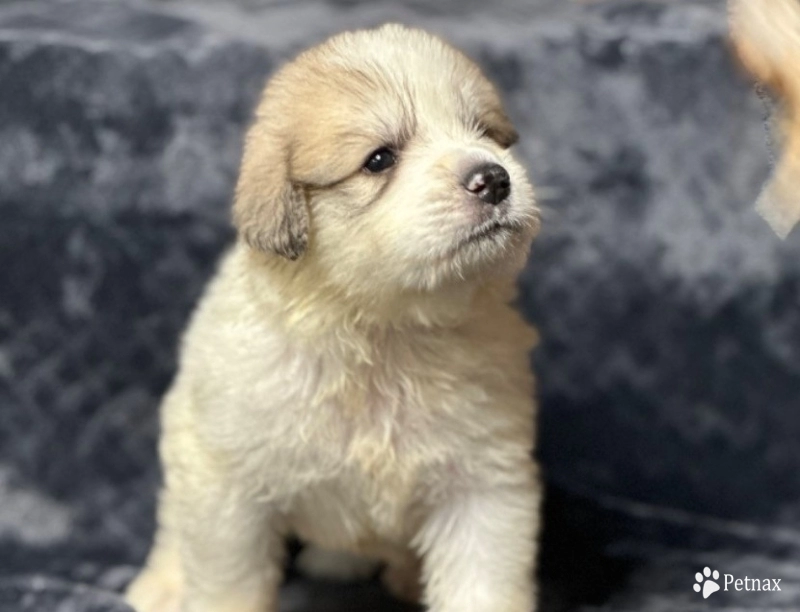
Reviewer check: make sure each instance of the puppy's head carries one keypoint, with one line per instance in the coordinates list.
(381, 159)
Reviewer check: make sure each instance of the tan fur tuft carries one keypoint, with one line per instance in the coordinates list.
(766, 36)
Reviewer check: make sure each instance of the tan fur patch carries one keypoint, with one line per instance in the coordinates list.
(766, 37)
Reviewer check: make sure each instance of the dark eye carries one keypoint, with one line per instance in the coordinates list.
(380, 160)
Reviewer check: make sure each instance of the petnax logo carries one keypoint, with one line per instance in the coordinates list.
(708, 581)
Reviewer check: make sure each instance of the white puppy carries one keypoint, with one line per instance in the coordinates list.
(355, 375)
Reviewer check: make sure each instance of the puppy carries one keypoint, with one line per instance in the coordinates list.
(355, 375)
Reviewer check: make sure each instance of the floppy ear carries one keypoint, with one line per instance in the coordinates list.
(499, 127)
(492, 117)
(269, 211)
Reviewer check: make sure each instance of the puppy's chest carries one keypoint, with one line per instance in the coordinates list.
(388, 410)
(373, 438)
(381, 416)
(390, 431)
(394, 412)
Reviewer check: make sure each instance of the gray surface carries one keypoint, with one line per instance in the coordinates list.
(670, 359)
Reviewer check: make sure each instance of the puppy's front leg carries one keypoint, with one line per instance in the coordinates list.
(479, 550)
(231, 551)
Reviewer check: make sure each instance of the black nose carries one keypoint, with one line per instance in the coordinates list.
(490, 182)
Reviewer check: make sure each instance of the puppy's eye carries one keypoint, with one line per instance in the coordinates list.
(380, 160)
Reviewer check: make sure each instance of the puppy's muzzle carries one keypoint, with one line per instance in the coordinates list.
(490, 182)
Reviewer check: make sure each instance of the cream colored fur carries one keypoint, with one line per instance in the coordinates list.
(354, 374)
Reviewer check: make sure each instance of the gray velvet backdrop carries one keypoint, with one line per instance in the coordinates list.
(669, 367)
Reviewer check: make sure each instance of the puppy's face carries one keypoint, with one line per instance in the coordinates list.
(382, 158)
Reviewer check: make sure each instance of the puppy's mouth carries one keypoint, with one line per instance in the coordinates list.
(492, 230)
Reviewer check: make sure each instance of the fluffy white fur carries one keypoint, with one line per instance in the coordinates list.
(354, 374)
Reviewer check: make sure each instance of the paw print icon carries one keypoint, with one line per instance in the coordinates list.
(706, 582)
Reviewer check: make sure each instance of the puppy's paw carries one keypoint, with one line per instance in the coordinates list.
(335, 565)
(155, 592)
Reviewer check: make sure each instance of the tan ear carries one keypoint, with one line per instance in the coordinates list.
(499, 127)
(492, 117)
(269, 211)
